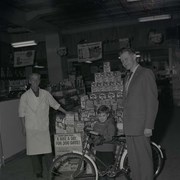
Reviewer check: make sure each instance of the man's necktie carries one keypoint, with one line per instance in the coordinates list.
(129, 75)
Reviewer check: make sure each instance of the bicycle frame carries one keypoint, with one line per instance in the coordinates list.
(88, 152)
(111, 170)
(114, 168)
(87, 160)
(121, 154)
(90, 159)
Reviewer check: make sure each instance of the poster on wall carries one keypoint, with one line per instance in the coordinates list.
(24, 58)
(89, 51)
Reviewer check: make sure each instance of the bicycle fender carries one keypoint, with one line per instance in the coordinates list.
(122, 159)
(159, 148)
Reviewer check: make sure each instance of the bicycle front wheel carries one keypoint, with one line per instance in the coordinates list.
(73, 166)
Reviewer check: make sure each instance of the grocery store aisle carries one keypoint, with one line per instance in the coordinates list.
(167, 134)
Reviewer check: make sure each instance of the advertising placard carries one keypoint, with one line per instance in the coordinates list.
(65, 143)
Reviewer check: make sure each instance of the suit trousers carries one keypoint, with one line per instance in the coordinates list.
(140, 157)
(37, 162)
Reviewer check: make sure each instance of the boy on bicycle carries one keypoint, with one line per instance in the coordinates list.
(106, 128)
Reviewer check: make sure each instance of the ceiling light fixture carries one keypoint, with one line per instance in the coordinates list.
(132, 0)
(36, 65)
(155, 18)
(89, 62)
(24, 44)
(39, 67)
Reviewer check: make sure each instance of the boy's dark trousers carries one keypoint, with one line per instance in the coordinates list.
(108, 159)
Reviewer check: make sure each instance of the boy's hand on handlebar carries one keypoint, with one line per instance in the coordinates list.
(99, 140)
(87, 128)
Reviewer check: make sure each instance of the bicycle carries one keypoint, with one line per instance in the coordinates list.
(82, 165)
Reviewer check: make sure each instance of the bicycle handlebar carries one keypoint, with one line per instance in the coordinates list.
(90, 131)
(94, 133)
(115, 139)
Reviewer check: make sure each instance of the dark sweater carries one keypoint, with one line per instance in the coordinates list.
(108, 130)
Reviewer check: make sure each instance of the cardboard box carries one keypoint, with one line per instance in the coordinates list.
(79, 127)
(106, 67)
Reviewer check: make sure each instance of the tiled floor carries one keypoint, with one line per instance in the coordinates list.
(167, 134)
(19, 169)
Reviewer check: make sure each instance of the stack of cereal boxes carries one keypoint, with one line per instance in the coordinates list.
(107, 89)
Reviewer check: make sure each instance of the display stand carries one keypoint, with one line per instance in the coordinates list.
(106, 90)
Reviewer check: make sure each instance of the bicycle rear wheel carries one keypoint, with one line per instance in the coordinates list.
(158, 160)
(73, 166)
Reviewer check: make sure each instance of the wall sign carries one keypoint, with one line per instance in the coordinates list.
(62, 51)
(24, 58)
(89, 51)
(155, 38)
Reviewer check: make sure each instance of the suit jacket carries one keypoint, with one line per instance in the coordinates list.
(140, 102)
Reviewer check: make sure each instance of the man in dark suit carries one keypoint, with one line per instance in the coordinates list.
(140, 109)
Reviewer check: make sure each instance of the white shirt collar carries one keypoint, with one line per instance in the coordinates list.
(133, 71)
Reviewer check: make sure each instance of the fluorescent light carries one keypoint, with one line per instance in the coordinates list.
(138, 54)
(89, 62)
(23, 44)
(132, 0)
(154, 18)
(39, 67)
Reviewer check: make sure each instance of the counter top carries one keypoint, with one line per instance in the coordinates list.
(7, 98)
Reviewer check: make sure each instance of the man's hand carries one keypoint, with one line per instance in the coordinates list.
(148, 132)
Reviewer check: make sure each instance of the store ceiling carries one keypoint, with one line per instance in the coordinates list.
(24, 16)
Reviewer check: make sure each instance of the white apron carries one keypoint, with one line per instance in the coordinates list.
(36, 113)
